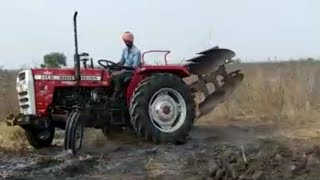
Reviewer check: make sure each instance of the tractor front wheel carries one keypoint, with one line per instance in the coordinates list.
(74, 132)
(163, 109)
(40, 137)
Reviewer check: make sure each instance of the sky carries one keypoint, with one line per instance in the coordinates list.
(255, 30)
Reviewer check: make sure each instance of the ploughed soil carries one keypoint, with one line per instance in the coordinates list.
(234, 150)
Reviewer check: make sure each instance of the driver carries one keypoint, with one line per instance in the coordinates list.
(131, 57)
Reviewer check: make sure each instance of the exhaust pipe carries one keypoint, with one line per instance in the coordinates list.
(76, 55)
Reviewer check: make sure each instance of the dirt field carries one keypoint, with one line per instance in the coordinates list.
(226, 150)
(268, 129)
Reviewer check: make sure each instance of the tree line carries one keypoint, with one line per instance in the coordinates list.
(54, 60)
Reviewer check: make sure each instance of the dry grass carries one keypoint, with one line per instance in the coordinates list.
(285, 93)
(12, 139)
(280, 92)
(8, 95)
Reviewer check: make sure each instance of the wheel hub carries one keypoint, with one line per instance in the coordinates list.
(165, 107)
(44, 134)
(166, 110)
(78, 136)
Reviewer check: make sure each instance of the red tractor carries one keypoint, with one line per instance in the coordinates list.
(157, 104)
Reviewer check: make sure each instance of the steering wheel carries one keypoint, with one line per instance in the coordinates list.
(113, 66)
(109, 65)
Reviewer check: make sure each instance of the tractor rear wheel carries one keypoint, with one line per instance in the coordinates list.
(40, 137)
(74, 132)
(162, 109)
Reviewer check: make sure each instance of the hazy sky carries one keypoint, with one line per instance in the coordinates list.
(254, 29)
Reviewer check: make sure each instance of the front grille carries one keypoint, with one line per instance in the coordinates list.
(25, 106)
(22, 76)
(24, 100)
(25, 91)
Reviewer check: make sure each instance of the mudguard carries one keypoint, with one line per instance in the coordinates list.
(146, 71)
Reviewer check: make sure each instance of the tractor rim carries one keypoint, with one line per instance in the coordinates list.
(167, 110)
(44, 134)
(78, 136)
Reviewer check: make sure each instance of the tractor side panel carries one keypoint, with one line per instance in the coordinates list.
(46, 80)
(146, 71)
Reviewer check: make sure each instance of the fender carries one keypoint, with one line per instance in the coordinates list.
(146, 71)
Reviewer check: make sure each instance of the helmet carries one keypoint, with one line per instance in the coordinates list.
(128, 36)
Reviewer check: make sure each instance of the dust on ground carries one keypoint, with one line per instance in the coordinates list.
(219, 151)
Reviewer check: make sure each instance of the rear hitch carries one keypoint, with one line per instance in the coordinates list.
(230, 83)
(208, 65)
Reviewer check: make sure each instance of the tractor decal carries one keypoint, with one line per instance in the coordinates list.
(66, 78)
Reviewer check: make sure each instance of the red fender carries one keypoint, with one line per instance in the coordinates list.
(146, 71)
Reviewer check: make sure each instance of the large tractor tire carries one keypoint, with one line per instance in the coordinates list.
(162, 109)
(74, 132)
(40, 137)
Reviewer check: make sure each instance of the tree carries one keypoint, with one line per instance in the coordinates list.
(54, 60)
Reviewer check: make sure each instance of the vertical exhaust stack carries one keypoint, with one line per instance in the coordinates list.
(76, 55)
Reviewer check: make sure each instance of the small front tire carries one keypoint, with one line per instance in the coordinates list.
(74, 132)
(40, 137)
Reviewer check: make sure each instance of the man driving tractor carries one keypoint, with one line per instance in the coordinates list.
(131, 57)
